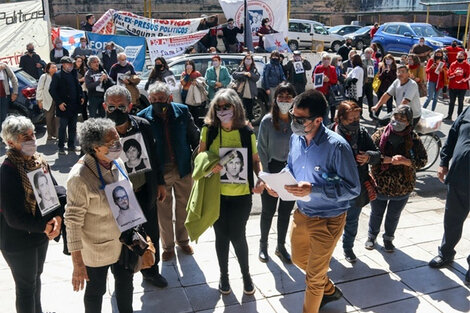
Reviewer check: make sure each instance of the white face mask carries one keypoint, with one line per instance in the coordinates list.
(29, 147)
(123, 63)
(388, 62)
(114, 152)
(215, 63)
(284, 106)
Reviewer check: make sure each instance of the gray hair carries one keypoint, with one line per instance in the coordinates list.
(158, 87)
(120, 54)
(13, 126)
(231, 97)
(369, 49)
(115, 91)
(91, 58)
(92, 133)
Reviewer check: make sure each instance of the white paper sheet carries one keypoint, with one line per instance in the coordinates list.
(277, 181)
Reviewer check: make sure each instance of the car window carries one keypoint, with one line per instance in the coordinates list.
(25, 78)
(320, 30)
(305, 28)
(293, 27)
(404, 29)
(335, 28)
(391, 29)
(425, 31)
(363, 30)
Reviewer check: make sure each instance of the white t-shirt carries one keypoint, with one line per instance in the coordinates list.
(358, 73)
(407, 91)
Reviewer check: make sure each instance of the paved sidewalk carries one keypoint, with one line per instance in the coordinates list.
(378, 282)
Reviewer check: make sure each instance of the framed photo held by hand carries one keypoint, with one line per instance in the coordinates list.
(124, 205)
(318, 80)
(235, 165)
(171, 82)
(134, 154)
(44, 190)
(299, 67)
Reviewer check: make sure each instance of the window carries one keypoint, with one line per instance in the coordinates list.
(305, 28)
(391, 29)
(293, 27)
(320, 30)
(404, 29)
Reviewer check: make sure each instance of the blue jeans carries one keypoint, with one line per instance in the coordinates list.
(350, 228)
(4, 104)
(432, 95)
(71, 123)
(394, 206)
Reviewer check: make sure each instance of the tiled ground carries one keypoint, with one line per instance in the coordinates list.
(379, 282)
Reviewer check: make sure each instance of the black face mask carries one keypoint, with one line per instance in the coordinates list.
(454, 45)
(159, 67)
(460, 60)
(159, 107)
(438, 58)
(118, 117)
(30, 50)
(349, 129)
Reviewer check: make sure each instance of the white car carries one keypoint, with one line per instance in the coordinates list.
(302, 32)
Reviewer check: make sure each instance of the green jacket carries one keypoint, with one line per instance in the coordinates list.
(211, 79)
(204, 202)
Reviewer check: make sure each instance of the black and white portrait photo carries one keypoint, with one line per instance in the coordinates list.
(370, 71)
(171, 82)
(298, 67)
(44, 190)
(235, 166)
(134, 154)
(318, 80)
(122, 201)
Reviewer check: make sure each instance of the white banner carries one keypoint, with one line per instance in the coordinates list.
(275, 10)
(20, 24)
(168, 47)
(144, 27)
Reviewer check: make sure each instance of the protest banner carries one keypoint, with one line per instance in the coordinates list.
(168, 47)
(275, 10)
(22, 23)
(134, 47)
(70, 38)
(137, 25)
(276, 42)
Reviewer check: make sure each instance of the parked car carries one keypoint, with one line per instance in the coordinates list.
(302, 32)
(360, 38)
(202, 62)
(343, 29)
(398, 38)
(26, 104)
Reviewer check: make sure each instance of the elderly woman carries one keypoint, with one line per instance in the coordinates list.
(347, 124)
(226, 128)
(25, 230)
(95, 79)
(45, 102)
(402, 153)
(92, 232)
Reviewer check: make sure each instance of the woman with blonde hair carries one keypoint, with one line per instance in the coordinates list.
(387, 75)
(226, 127)
(417, 73)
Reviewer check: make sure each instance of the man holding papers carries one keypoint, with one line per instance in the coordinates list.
(323, 164)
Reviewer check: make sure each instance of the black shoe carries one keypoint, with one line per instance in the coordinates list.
(467, 275)
(388, 246)
(440, 261)
(248, 287)
(224, 285)
(157, 280)
(61, 151)
(282, 253)
(263, 252)
(370, 243)
(350, 256)
(338, 294)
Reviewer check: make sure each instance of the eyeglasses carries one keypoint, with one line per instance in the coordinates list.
(300, 120)
(112, 108)
(113, 144)
(123, 198)
(227, 106)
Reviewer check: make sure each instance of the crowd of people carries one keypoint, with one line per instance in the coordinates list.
(205, 163)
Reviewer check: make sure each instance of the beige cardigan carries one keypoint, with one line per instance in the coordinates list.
(91, 226)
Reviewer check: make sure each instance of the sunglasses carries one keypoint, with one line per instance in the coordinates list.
(300, 120)
(227, 106)
(112, 108)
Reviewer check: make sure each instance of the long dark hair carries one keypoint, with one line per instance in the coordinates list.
(282, 87)
(242, 63)
(81, 69)
(157, 74)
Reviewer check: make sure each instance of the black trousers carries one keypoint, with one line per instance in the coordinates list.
(26, 267)
(268, 209)
(368, 93)
(198, 113)
(248, 104)
(96, 288)
(231, 227)
(456, 94)
(389, 102)
(457, 209)
(151, 228)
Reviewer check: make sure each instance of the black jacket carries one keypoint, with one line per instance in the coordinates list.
(28, 64)
(230, 35)
(20, 230)
(65, 88)
(343, 51)
(109, 60)
(297, 79)
(57, 60)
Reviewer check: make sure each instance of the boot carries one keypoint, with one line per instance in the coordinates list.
(224, 284)
(282, 253)
(263, 252)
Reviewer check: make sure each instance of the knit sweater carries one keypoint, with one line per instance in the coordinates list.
(91, 226)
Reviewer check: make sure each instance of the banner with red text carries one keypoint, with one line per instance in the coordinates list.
(168, 47)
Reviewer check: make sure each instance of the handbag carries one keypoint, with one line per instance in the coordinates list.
(376, 83)
(136, 252)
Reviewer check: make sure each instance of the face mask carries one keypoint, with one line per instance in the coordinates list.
(114, 152)
(123, 63)
(159, 67)
(421, 43)
(454, 45)
(58, 45)
(31, 50)
(215, 63)
(348, 43)
(248, 62)
(28, 147)
(118, 117)
(438, 57)
(326, 63)
(67, 68)
(284, 107)
(159, 107)
(460, 60)
(398, 126)
(349, 129)
(230, 26)
(275, 61)
(189, 68)
(410, 62)
(297, 58)
(298, 129)
(388, 62)
(225, 116)
(83, 45)
(368, 56)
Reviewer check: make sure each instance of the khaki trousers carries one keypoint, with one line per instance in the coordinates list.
(313, 241)
(182, 189)
(52, 122)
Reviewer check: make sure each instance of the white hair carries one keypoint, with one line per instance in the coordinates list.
(13, 126)
(158, 87)
(120, 54)
(120, 91)
(91, 58)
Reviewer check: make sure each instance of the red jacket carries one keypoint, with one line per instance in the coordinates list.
(329, 72)
(433, 77)
(372, 32)
(452, 53)
(459, 74)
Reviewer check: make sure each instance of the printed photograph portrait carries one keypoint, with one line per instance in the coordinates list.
(370, 71)
(171, 82)
(123, 203)
(318, 80)
(235, 165)
(299, 68)
(44, 190)
(134, 154)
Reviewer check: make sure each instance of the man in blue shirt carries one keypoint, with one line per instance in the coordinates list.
(323, 164)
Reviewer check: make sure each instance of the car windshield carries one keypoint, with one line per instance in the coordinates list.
(362, 30)
(335, 28)
(319, 29)
(426, 31)
(26, 78)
